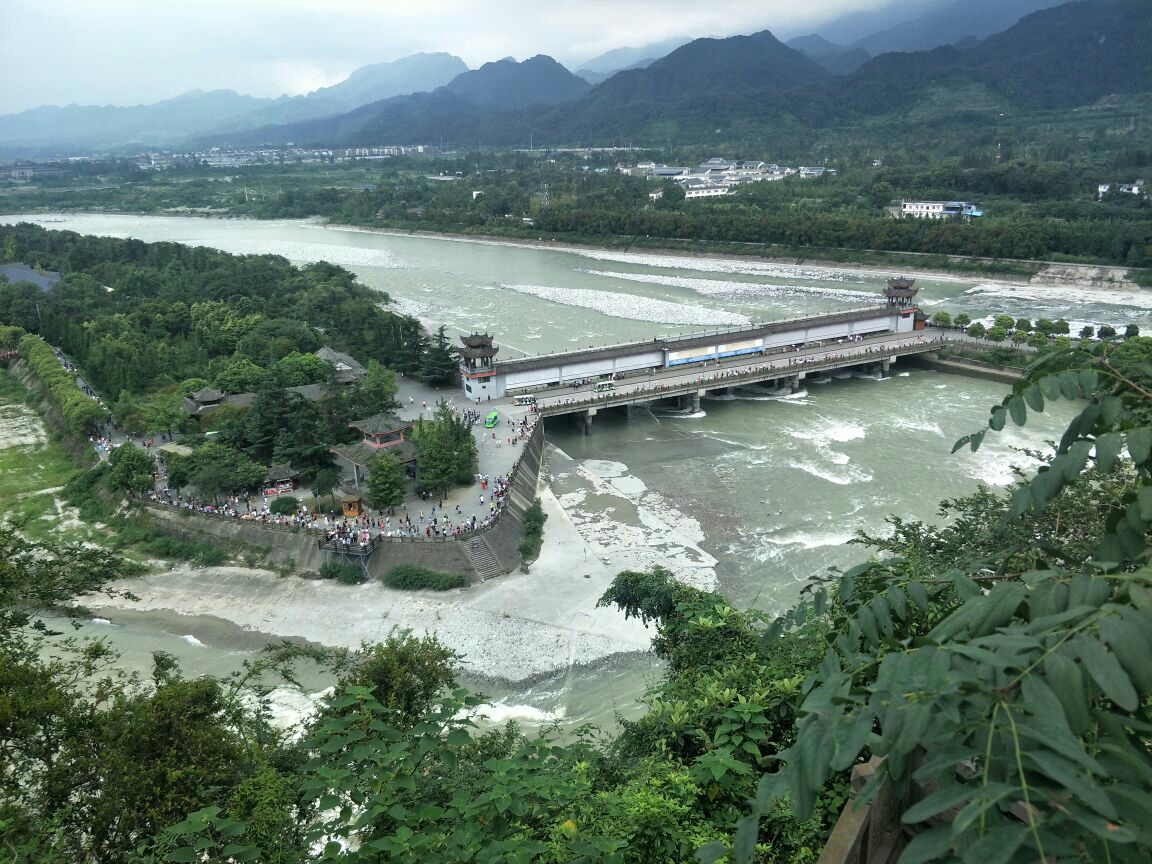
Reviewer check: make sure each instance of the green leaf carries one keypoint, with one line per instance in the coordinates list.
(997, 420)
(1069, 386)
(1067, 682)
(459, 738)
(927, 846)
(1108, 448)
(709, 853)
(918, 595)
(183, 856)
(1139, 444)
(744, 844)
(1112, 409)
(1106, 671)
(1088, 382)
(1129, 638)
(1050, 387)
(1034, 397)
(939, 801)
(1018, 410)
(998, 846)
(1076, 784)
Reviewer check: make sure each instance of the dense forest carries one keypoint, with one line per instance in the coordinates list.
(149, 324)
(997, 664)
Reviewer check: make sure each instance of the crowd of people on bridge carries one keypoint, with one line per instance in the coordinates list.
(740, 369)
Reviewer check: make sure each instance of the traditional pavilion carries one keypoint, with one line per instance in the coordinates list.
(203, 400)
(382, 433)
(901, 292)
(476, 358)
(282, 478)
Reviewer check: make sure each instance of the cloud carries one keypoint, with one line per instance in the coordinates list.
(138, 51)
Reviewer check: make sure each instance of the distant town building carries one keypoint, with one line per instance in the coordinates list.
(939, 210)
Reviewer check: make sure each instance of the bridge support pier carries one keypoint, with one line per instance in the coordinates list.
(587, 420)
(694, 401)
(792, 382)
(886, 366)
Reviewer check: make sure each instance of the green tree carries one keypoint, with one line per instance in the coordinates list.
(240, 375)
(1131, 331)
(326, 482)
(373, 393)
(1037, 340)
(1060, 327)
(1004, 322)
(387, 484)
(284, 505)
(942, 319)
(1105, 331)
(1019, 337)
(1045, 326)
(1024, 325)
(132, 469)
(216, 470)
(962, 320)
(1087, 331)
(296, 369)
(996, 334)
(163, 412)
(976, 330)
(440, 365)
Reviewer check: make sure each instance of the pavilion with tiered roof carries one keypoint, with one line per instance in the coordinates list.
(382, 433)
(476, 368)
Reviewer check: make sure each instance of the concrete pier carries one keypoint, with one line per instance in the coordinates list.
(587, 420)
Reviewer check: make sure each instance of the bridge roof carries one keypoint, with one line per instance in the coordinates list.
(692, 340)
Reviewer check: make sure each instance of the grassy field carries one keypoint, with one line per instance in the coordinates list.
(33, 468)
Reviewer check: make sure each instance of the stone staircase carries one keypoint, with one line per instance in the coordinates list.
(483, 559)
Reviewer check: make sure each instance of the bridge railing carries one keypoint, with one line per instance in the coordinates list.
(767, 369)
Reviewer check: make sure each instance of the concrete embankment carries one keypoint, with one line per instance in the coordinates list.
(966, 366)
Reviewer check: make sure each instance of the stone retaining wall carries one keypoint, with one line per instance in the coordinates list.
(300, 547)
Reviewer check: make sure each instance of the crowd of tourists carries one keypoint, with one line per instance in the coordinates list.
(740, 369)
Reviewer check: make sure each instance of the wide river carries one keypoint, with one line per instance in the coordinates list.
(755, 494)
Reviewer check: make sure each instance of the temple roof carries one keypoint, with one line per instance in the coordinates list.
(380, 424)
(363, 454)
(901, 286)
(282, 471)
(207, 394)
(479, 353)
(477, 340)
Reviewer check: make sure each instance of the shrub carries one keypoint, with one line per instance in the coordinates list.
(349, 574)
(411, 576)
(284, 505)
(534, 518)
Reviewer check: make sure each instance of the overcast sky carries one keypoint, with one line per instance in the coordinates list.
(125, 52)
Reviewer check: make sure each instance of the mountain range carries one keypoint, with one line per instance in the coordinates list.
(1060, 57)
(174, 121)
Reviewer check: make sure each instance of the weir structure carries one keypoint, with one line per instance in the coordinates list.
(687, 367)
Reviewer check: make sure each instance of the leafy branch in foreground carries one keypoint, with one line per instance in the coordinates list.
(1011, 708)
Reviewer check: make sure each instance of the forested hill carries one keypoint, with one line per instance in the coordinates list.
(1063, 57)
